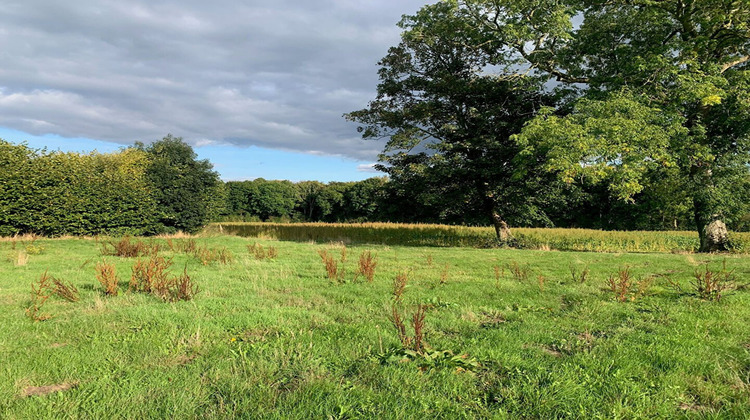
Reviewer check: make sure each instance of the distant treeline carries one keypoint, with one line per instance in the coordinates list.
(162, 188)
(384, 200)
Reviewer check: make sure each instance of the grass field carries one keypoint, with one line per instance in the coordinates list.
(479, 237)
(509, 334)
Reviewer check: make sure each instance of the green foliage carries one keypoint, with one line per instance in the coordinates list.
(449, 122)
(54, 193)
(187, 191)
(619, 93)
(666, 97)
(262, 199)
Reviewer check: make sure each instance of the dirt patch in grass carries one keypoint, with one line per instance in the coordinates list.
(184, 359)
(492, 319)
(37, 391)
(552, 352)
(693, 408)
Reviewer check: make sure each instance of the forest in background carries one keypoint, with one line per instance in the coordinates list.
(163, 188)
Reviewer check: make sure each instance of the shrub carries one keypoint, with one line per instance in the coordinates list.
(32, 249)
(150, 275)
(107, 276)
(367, 264)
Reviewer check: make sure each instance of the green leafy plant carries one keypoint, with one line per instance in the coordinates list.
(431, 359)
(32, 249)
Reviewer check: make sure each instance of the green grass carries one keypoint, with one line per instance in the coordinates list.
(277, 339)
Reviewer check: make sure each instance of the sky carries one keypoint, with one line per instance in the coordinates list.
(257, 87)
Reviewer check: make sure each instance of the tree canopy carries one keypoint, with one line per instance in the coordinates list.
(620, 92)
(187, 190)
(449, 121)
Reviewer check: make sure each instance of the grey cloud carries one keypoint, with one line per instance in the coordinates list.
(246, 73)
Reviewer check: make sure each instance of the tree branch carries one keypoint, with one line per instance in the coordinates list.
(736, 62)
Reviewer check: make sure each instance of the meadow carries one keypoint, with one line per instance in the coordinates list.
(296, 329)
(479, 237)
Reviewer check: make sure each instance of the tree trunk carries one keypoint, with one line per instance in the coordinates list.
(711, 230)
(706, 204)
(501, 228)
(502, 231)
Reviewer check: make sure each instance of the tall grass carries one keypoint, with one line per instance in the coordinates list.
(478, 237)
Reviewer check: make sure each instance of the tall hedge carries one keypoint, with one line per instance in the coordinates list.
(56, 193)
(127, 192)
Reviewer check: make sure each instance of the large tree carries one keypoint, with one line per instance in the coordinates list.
(646, 89)
(449, 120)
(656, 88)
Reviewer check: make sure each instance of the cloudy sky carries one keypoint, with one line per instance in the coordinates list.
(258, 87)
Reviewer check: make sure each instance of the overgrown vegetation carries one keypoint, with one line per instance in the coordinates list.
(293, 343)
(40, 292)
(367, 265)
(106, 274)
(478, 237)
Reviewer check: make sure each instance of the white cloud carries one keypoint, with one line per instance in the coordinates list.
(369, 167)
(274, 75)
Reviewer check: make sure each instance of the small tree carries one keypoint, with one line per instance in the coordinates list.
(187, 190)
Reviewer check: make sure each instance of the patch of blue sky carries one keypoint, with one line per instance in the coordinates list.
(231, 162)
